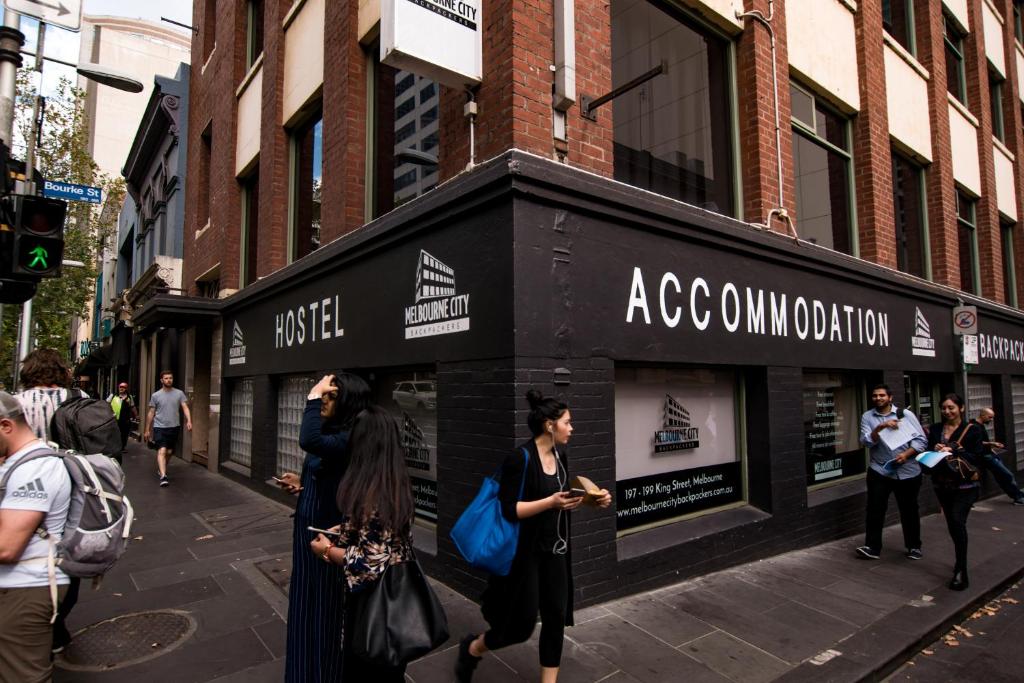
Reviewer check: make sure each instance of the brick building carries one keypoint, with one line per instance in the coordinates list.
(769, 214)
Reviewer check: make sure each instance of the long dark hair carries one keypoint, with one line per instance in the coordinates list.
(541, 410)
(377, 478)
(353, 398)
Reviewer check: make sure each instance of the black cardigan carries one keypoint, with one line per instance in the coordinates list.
(972, 446)
(504, 590)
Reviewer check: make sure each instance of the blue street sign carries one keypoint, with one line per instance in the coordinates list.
(72, 192)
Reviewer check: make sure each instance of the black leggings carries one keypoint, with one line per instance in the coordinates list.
(545, 589)
(956, 504)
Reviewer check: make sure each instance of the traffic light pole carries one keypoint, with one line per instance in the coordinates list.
(25, 344)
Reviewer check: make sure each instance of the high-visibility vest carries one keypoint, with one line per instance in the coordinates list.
(116, 402)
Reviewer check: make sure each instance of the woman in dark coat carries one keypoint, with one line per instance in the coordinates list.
(956, 435)
(540, 579)
(317, 588)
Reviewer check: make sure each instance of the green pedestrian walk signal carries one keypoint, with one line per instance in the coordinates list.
(38, 236)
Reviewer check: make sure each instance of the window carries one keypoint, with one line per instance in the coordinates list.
(1018, 31)
(403, 161)
(967, 239)
(1017, 392)
(833, 403)
(908, 204)
(411, 397)
(205, 157)
(253, 31)
(240, 448)
(956, 78)
(898, 21)
(824, 180)
(307, 181)
(250, 229)
(679, 443)
(673, 133)
(209, 28)
(995, 91)
(291, 402)
(1009, 267)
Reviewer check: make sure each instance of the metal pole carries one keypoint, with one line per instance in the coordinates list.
(25, 346)
(11, 40)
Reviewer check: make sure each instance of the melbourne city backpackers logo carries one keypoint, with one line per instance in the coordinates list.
(438, 308)
(677, 434)
(922, 343)
(417, 452)
(236, 352)
(33, 489)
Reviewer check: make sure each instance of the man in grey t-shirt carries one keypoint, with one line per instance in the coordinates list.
(163, 422)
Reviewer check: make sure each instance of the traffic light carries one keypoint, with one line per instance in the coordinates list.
(38, 236)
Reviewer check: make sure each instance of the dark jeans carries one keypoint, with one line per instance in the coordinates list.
(1003, 476)
(956, 505)
(545, 589)
(905, 490)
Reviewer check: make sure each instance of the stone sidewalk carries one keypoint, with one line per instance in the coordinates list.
(218, 553)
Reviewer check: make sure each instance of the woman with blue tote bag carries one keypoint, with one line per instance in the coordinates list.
(540, 579)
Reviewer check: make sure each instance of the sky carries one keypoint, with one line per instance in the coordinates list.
(62, 44)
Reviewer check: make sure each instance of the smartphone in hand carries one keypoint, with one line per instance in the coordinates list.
(325, 532)
(576, 493)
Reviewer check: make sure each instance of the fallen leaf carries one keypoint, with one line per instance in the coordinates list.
(953, 642)
(118, 595)
(1011, 601)
(927, 652)
(207, 537)
(995, 528)
(137, 538)
(961, 630)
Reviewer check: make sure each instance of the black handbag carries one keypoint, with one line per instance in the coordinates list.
(960, 469)
(398, 619)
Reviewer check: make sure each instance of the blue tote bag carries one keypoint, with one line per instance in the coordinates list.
(482, 534)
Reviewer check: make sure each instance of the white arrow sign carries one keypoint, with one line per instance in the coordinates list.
(64, 13)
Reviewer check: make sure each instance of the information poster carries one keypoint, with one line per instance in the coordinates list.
(676, 445)
(412, 399)
(832, 409)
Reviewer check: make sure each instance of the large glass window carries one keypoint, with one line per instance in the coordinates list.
(240, 448)
(995, 92)
(967, 242)
(679, 443)
(404, 161)
(824, 192)
(909, 212)
(1018, 30)
(898, 21)
(1009, 267)
(833, 403)
(253, 31)
(250, 228)
(205, 158)
(672, 134)
(979, 395)
(956, 77)
(1017, 392)
(307, 145)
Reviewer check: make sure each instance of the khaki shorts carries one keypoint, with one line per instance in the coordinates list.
(26, 635)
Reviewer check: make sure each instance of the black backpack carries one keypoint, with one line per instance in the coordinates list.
(86, 425)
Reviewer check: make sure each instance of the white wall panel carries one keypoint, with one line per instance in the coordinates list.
(822, 47)
(963, 136)
(907, 98)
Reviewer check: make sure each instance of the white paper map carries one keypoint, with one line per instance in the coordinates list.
(894, 438)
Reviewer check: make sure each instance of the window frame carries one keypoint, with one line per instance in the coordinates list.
(247, 183)
(995, 87)
(908, 10)
(1018, 26)
(953, 39)
(305, 125)
(1009, 265)
(972, 225)
(922, 198)
(251, 32)
(804, 129)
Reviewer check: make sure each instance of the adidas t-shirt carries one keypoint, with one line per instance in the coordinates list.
(42, 485)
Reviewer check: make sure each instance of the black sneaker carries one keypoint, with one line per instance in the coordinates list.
(867, 553)
(466, 663)
(164, 481)
(915, 554)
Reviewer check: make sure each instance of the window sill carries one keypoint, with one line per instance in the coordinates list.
(905, 55)
(199, 233)
(998, 144)
(677, 533)
(208, 59)
(996, 11)
(850, 5)
(293, 12)
(962, 108)
(253, 70)
(839, 491)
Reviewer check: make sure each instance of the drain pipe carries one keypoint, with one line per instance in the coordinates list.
(779, 210)
(469, 110)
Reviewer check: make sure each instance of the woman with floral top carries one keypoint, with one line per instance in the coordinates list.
(375, 499)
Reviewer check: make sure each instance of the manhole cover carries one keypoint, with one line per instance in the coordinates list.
(127, 640)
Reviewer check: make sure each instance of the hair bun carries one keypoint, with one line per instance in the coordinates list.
(534, 398)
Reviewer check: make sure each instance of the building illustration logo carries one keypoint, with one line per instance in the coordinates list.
(922, 343)
(677, 433)
(236, 352)
(438, 308)
(417, 452)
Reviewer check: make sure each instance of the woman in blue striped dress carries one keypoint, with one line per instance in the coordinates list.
(317, 589)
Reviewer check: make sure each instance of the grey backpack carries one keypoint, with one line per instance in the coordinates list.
(99, 517)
